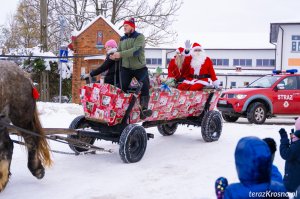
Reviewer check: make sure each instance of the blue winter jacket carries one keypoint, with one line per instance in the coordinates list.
(254, 165)
(276, 175)
(291, 153)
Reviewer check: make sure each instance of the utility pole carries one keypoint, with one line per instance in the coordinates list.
(44, 16)
(44, 82)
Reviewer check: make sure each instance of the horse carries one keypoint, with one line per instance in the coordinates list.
(18, 106)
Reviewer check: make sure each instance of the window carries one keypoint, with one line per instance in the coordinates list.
(289, 83)
(220, 62)
(236, 62)
(296, 43)
(225, 62)
(294, 46)
(214, 61)
(265, 62)
(168, 60)
(242, 62)
(159, 61)
(148, 61)
(232, 84)
(259, 62)
(154, 61)
(248, 62)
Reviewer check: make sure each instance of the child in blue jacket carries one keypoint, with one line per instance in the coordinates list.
(290, 152)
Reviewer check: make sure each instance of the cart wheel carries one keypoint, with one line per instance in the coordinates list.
(167, 129)
(78, 123)
(211, 126)
(133, 143)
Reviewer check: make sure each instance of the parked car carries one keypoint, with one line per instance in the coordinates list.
(266, 97)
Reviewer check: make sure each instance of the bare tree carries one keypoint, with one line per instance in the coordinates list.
(153, 19)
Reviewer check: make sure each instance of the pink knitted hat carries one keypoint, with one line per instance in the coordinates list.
(111, 43)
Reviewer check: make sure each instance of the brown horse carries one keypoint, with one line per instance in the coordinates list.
(18, 106)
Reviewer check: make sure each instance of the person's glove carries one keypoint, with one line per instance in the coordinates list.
(283, 133)
(216, 83)
(188, 45)
(86, 76)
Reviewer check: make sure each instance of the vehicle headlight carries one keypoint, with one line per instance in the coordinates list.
(240, 96)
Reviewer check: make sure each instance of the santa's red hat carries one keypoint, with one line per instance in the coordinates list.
(179, 50)
(196, 46)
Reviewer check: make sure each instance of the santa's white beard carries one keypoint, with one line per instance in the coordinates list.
(198, 58)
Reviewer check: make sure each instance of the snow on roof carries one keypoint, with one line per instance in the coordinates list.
(77, 33)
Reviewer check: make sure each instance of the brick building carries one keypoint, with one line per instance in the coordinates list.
(90, 41)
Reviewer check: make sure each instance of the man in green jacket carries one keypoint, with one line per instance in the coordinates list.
(132, 52)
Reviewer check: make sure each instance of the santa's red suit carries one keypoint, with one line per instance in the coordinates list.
(198, 64)
(175, 71)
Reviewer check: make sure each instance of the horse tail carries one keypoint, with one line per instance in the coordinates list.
(43, 148)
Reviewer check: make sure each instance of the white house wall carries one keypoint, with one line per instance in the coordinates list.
(279, 49)
(230, 54)
(289, 31)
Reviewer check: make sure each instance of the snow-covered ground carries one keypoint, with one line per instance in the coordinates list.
(181, 166)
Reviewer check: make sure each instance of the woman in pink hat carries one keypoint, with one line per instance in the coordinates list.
(109, 65)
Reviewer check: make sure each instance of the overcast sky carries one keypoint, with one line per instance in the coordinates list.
(220, 23)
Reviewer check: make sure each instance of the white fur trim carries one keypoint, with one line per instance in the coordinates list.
(113, 50)
(216, 82)
(202, 82)
(197, 47)
(195, 81)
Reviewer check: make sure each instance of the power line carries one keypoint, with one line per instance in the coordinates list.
(46, 57)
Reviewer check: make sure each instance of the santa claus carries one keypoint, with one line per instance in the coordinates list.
(175, 69)
(200, 68)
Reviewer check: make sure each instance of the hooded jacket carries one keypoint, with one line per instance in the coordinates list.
(254, 164)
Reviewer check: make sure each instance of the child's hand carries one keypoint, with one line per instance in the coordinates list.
(283, 133)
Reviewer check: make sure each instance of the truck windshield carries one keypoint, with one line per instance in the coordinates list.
(264, 82)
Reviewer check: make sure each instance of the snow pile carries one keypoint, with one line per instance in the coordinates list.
(67, 69)
(181, 166)
(58, 115)
(48, 57)
(36, 51)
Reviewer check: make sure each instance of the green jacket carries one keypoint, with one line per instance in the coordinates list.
(132, 50)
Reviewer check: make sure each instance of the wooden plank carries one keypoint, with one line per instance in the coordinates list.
(51, 131)
(48, 131)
